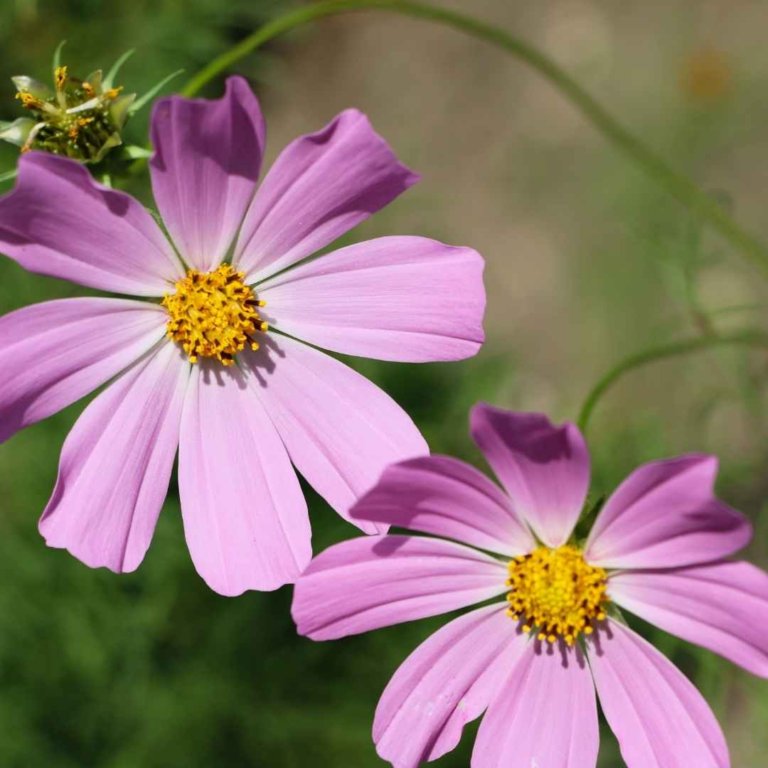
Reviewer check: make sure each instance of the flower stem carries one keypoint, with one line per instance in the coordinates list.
(654, 166)
(744, 338)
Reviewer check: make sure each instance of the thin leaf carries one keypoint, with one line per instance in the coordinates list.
(8, 175)
(152, 92)
(109, 80)
(57, 55)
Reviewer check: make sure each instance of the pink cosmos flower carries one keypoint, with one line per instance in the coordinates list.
(535, 659)
(253, 401)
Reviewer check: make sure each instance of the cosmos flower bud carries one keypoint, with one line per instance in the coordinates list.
(77, 118)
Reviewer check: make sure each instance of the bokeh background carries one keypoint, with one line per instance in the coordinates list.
(587, 262)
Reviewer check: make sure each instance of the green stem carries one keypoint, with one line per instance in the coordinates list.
(654, 166)
(745, 338)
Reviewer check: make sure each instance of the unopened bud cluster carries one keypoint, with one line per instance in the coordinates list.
(80, 119)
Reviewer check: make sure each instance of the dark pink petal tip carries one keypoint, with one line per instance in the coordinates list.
(320, 186)
(205, 167)
(445, 497)
(59, 222)
(664, 515)
(544, 468)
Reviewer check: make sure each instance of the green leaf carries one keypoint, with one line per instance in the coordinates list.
(109, 80)
(57, 55)
(8, 175)
(152, 92)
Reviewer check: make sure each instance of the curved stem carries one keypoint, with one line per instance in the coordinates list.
(654, 166)
(745, 338)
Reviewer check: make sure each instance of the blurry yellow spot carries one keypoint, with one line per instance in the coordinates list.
(706, 76)
(60, 78)
(113, 93)
(28, 100)
(556, 592)
(214, 314)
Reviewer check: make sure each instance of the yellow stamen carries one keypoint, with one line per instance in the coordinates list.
(28, 100)
(60, 77)
(557, 592)
(214, 314)
(113, 93)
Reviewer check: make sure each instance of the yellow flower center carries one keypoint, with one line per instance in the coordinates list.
(556, 593)
(214, 314)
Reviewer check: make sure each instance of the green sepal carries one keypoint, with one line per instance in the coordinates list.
(109, 80)
(18, 131)
(26, 84)
(57, 56)
(152, 92)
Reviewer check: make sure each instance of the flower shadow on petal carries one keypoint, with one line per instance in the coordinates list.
(208, 143)
(213, 373)
(568, 655)
(596, 639)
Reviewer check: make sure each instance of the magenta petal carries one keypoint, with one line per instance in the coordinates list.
(58, 221)
(116, 464)
(447, 682)
(375, 581)
(545, 714)
(446, 497)
(341, 431)
(54, 353)
(320, 187)
(205, 167)
(722, 606)
(659, 718)
(544, 468)
(665, 514)
(245, 517)
(394, 298)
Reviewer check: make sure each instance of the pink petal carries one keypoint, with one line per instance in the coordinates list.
(447, 682)
(665, 514)
(544, 715)
(205, 167)
(394, 298)
(341, 431)
(116, 464)
(58, 221)
(320, 187)
(245, 517)
(54, 353)
(659, 718)
(723, 606)
(376, 581)
(544, 468)
(446, 497)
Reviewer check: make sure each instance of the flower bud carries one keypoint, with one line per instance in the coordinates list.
(80, 119)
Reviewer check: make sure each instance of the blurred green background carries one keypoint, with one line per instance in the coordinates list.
(587, 262)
